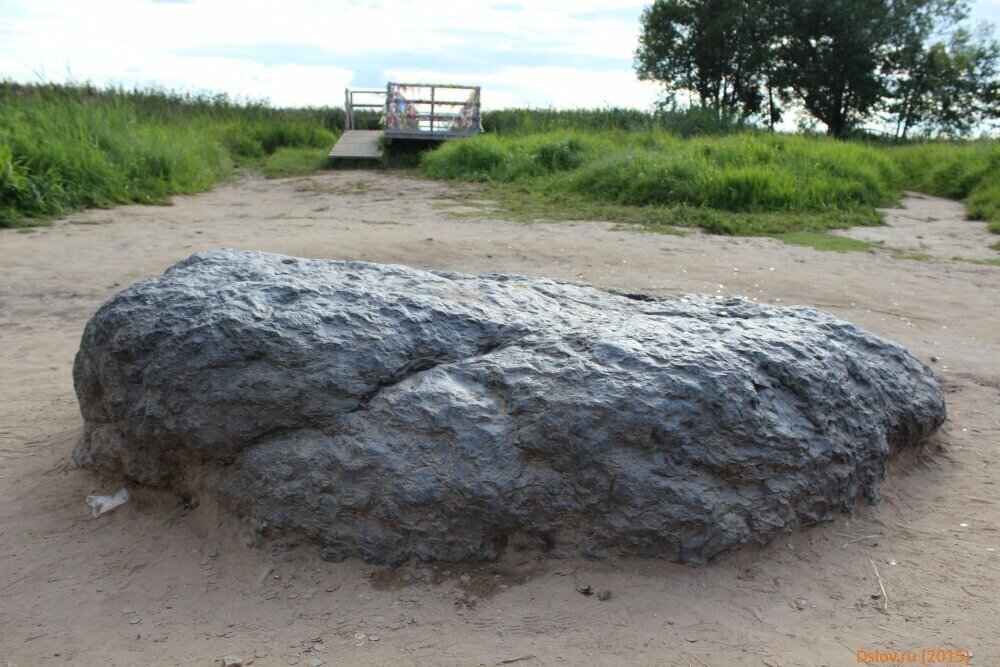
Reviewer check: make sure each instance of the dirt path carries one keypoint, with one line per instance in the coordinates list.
(156, 583)
(930, 227)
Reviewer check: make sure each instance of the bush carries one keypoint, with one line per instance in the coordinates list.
(560, 154)
(983, 203)
(531, 121)
(695, 121)
(488, 158)
(480, 159)
(700, 122)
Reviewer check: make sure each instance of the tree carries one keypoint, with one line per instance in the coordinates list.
(717, 50)
(831, 58)
(951, 87)
(842, 61)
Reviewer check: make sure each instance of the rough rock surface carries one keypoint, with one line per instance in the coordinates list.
(387, 412)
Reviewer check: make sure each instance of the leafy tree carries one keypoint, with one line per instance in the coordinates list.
(843, 61)
(830, 59)
(716, 50)
(951, 87)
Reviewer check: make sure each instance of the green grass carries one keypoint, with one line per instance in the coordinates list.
(652, 228)
(745, 184)
(915, 256)
(984, 262)
(285, 162)
(826, 242)
(969, 171)
(64, 148)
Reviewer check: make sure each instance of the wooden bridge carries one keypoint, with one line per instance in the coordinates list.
(409, 112)
(359, 145)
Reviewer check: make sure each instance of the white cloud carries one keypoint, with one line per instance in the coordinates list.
(177, 44)
(550, 86)
(538, 52)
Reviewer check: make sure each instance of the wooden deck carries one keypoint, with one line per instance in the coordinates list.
(358, 144)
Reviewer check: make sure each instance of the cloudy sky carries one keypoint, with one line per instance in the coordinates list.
(562, 53)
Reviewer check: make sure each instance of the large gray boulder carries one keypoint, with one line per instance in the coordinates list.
(391, 413)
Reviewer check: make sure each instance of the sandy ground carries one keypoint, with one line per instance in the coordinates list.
(158, 583)
(926, 228)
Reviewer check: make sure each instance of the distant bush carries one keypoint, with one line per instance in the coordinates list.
(695, 121)
(530, 120)
(700, 122)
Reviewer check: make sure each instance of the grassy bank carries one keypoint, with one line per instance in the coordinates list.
(64, 148)
(749, 183)
(968, 170)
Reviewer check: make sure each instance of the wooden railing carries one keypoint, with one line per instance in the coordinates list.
(350, 105)
(435, 111)
(437, 114)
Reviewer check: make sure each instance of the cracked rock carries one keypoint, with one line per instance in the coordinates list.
(391, 413)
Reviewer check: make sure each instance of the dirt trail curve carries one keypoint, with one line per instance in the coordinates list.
(157, 583)
(930, 227)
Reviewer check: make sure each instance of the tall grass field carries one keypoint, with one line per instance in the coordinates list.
(749, 183)
(64, 148)
(684, 122)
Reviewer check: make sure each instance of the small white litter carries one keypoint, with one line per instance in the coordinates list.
(102, 504)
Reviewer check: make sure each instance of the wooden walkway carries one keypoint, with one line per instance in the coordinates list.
(358, 144)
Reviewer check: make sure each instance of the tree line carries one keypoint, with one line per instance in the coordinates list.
(914, 66)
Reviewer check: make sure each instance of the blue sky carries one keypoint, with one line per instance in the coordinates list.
(305, 52)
